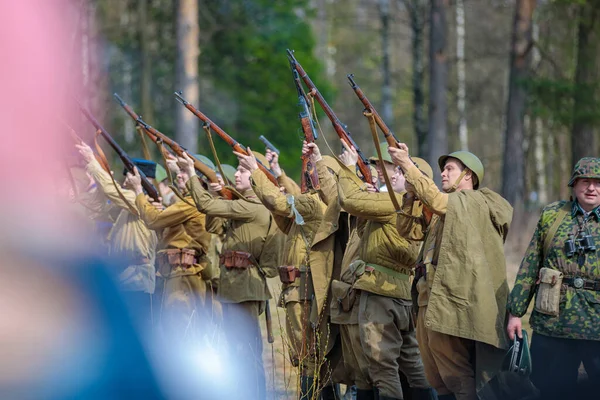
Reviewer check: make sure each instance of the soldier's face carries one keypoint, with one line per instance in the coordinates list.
(389, 168)
(587, 191)
(398, 181)
(242, 179)
(450, 174)
(182, 178)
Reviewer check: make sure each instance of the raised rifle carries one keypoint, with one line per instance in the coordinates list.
(309, 170)
(390, 138)
(129, 165)
(155, 135)
(340, 129)
(269, 145)
(236, 146)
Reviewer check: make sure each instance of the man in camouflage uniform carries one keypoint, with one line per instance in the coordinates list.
(382, 275)
(461, 274)
(564, 245)
(248, 258)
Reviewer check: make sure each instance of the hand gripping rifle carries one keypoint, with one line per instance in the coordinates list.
(129, 165)
(236, 146)
(340, 129)
(155, 135)
(309, 170)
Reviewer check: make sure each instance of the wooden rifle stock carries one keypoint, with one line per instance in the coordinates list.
(340, 129)
(228, 139)
(129, 165)
(309, 170)
(154, 134)
(390, 138)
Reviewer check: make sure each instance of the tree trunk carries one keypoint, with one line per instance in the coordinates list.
(541, 184)
(146, 62)
(513, 168)
(583, 137)
(186, 78)
(437, 138)
(463, 133)
(387, 112)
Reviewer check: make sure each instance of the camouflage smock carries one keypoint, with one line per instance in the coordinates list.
(579, 316)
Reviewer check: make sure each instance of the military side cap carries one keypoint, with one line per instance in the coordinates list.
(385, 156)
(205, 160)
(146, 166)
(469, 160)
(587, 167)
(229, 172)
(161, 173)
(423, 166)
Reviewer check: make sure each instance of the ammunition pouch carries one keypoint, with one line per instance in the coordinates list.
(344, 294)
(548, 296)
(288, 273)
(172, 258)
(236, 259)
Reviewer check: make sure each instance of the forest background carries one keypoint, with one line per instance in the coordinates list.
(514, 81)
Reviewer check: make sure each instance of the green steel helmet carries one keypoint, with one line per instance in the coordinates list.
(206, 161)
(229, 172)
(469, 159)
(161, 173)
(384, 154)
(587, 167)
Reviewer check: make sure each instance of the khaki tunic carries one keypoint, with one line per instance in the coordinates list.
(247, 230)
(130, 238)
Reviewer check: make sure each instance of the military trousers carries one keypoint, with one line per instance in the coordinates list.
(244, 340)
(388, 338)
(556, 363)
(449, 361)
(184, 314)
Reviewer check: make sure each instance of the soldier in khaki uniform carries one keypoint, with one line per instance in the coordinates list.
(302, 215)
(461, 276)
(248, 258)
(382, 274)
(182, 260)
(130, 239)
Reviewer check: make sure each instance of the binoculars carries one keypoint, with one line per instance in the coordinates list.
(583, 244)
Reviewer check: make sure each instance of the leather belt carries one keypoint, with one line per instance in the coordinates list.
(580, 283)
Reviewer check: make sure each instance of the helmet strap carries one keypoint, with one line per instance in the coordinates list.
(460, 177)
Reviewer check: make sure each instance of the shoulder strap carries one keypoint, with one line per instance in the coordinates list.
(560, 216)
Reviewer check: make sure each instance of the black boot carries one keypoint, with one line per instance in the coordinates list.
(379, 396)
(450, 396)
(307, 388)
(365, 394)
(424, 394)
(331, 392)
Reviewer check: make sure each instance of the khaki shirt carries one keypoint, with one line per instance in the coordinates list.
(381, 243)
(247, 230)
(130, 238)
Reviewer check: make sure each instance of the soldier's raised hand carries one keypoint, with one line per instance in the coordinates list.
(172, 164)
(273, 159)
(247, 161)
(349, 156)
(311, 150)
(134, 181)
(214, 187)
(187, 164)
(86, 152)
(400, 155)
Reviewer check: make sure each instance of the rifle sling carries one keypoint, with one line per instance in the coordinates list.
(386, 178)
(214, 151)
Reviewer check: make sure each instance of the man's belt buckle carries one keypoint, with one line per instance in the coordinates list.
(578, 283)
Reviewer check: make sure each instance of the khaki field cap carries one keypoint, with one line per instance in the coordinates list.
(469, 159)
(260, 157)
(423, 166)
(587, 167)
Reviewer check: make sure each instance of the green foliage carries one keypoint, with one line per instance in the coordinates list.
(254, 91)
